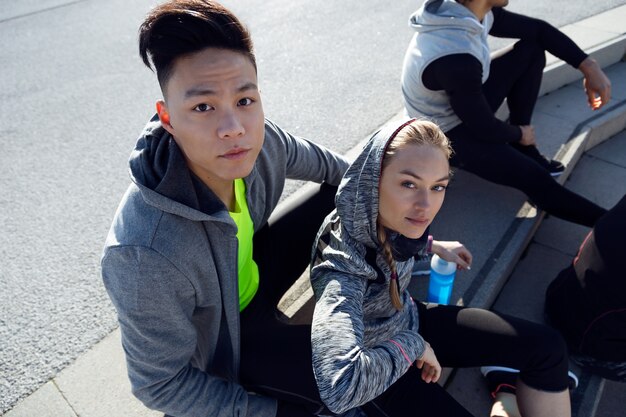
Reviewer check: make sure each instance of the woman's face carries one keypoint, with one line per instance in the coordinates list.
(412, 188)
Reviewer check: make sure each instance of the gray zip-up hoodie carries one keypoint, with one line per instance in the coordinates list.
(361, 343)
(170, 268)
(443, 27)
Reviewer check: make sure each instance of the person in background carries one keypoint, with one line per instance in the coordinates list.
(450, 78)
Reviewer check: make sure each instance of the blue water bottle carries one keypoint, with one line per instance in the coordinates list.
(441, 280)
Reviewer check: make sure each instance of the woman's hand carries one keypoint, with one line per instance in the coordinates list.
(428, 363)
(453, 252)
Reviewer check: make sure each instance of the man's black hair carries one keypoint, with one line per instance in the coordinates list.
(181, 27)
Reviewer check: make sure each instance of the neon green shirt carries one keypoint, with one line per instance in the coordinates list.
(248, 270)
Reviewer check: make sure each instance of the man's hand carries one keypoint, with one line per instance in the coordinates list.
(528, 135)
(428, 363)
(597, 84)
(453, 252)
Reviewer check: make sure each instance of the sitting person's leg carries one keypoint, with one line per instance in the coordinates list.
(468, 337)
(502, 384)
(276, 361)
(516, 75)
(502, 164)
(411, 396)
(275, 356)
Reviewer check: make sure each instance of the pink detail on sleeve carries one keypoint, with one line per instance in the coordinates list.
(402, 350)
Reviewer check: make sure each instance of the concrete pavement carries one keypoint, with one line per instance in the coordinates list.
(96, 383)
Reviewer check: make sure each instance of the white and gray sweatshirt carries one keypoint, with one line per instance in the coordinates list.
(361, 343)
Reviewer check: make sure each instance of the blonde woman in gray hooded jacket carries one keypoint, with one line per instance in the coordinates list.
(376, 348)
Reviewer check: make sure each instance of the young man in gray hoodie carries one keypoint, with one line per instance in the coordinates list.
(193, 263)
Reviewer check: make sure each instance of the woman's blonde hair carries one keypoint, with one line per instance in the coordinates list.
(416, 132)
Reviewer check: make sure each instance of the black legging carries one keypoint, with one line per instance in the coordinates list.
(516, 76)
(470, 337)
(276, 357)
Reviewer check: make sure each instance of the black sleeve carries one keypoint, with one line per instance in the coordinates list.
(460, 75)
(512, 25)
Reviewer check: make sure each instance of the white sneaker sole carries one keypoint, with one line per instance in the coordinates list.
(487, 369)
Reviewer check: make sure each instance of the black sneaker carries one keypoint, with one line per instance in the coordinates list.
(502, 379)
(554, 167)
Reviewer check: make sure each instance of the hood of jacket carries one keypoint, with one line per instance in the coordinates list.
(444, 14)
(357, 196)
(158, 167)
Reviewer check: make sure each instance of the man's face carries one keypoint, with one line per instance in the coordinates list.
(213, 110)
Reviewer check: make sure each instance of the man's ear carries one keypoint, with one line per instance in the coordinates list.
(164, 116)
